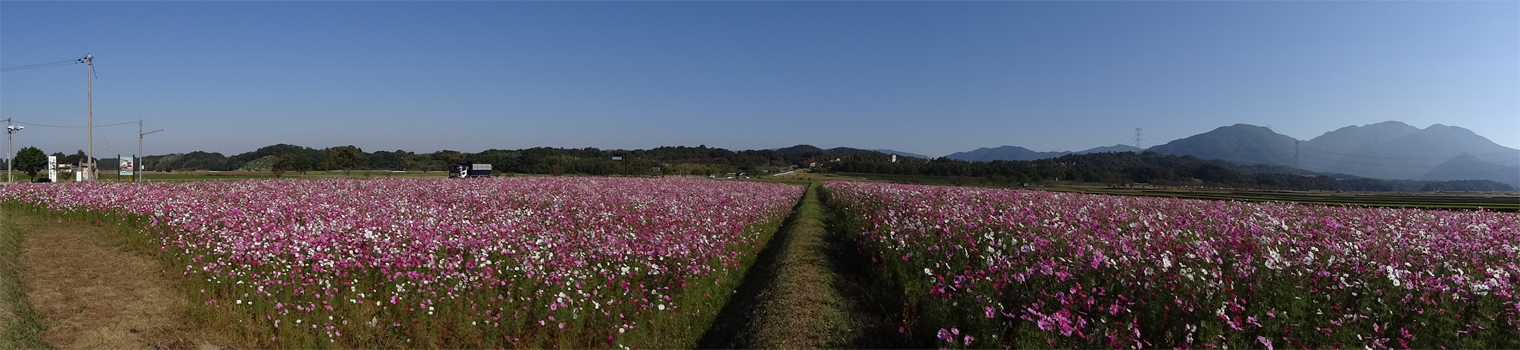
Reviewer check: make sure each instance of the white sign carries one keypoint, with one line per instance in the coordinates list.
(52, 168)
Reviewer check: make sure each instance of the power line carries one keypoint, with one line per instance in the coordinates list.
(72, 126)
(1412, 158)
(1349, 171)
(42, 114)
(40, 65)
(1273, 153)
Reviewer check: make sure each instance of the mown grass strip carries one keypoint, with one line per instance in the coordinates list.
(800, 294)
(19, 328)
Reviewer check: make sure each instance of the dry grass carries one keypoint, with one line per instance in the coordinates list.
(91, 288)
(18, 324)
(801, 310)
(791, 299)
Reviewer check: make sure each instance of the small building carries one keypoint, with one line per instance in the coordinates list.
(469, 170)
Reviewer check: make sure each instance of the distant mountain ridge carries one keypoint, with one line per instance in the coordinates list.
(901, 153)
(1020, 153)
(1004, 153)
(1387, 150)
(1239, 143)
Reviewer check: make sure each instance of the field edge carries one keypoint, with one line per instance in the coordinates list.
(19, 328)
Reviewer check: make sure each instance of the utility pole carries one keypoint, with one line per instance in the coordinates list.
(10, 156)
(140, 135)
(89, 61)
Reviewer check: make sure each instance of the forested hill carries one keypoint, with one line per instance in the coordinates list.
(684, 160)
(1113, 168)
(1148, 167)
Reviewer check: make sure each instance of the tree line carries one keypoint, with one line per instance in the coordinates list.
(679, 160)
(1126, 168)
(1118, 169)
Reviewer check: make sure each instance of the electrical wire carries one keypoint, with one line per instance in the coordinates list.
(43, 114)
(1410, 158)
(1266, 152)
(72, 126)
(1329, 168)
(40, 65)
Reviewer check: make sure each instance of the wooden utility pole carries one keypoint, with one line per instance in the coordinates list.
(139, 160)
(89, 78)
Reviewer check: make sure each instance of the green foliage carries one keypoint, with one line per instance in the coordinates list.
(1122, 168)
(1466, 185)
(297, 162)
(75, 158)
(187, 161)
(31, 160)
(266, 163)
(344, 158)
(278, 165)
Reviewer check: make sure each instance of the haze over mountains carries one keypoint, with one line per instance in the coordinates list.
(1020, 153)
(1387, 150)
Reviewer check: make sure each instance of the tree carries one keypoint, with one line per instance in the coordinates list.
(278, 165)
(71, 159)
(298, 162)
(343, 157)
(31, 160)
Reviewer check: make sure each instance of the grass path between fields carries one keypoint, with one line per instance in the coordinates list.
(18, 324)
(801, 294)
(86, 286)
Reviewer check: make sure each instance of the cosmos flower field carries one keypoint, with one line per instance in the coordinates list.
(992, 268)
(481, 263)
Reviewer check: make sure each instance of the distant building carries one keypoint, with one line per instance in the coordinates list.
(469, 170)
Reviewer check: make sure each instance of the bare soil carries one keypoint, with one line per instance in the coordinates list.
(91, 288)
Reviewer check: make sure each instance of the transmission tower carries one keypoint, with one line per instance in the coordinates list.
(1137, 138)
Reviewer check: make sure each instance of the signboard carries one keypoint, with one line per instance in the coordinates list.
(52, 168)
(469, 170)
(124, 168)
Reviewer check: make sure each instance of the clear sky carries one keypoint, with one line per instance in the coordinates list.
(922, 77)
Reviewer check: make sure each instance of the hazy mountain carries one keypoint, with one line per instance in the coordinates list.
(1239, 143)
(1387, 150)
(901, 153)
(1004, 153)
(1469, 167)
(1111, 149)
(1348, 139)
(1394, 150)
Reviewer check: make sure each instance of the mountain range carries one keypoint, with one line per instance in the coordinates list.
(1387, 150)
(1020, 153)
(905, 154)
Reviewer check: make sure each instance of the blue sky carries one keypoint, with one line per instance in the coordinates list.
(923, 77)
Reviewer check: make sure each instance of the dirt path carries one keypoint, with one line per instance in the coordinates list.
(801, 294)
(91, 289)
